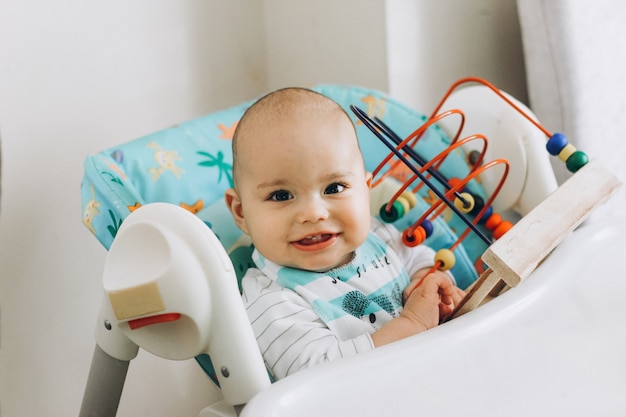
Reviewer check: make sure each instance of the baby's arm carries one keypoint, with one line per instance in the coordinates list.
(428, 298)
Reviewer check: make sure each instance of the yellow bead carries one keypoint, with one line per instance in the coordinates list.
(446, 258)
(566, 152)
(410, 197)
(466, 206)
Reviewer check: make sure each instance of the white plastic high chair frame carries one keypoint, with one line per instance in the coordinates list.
(199, 285)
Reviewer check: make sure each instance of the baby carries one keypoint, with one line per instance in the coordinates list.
(329, 281)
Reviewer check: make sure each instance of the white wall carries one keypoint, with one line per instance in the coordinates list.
(431, 44)
(413, 49)
(78, 77)
(572, 80)
(342, 42)
(75, 78)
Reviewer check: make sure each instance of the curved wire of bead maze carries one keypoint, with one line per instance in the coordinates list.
(598, 184)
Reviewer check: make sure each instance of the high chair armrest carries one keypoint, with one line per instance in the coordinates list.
(171, 289)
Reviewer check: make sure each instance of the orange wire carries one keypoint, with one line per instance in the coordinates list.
(436, 162)
(415, 136)
(497, 91)
(490, 200)
(442, 155)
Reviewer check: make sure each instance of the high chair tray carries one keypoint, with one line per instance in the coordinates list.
(554, 345)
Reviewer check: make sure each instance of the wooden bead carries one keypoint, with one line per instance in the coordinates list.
(502, 228)
(486, 215)
(479, 203)
(453, 182)
(566, 152)
(446, 259)
(493, 221)
(413, 239)
(473, 157)
(395, 212)
(576, 161)
(428, 227)
(410, 197)
(556, 143)
(420, 234)
(406, 207)
(466, 206)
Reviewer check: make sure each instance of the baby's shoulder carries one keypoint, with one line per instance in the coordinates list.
(259, 289)
(255, 277)
(255, 283)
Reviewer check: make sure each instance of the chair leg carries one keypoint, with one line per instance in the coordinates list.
(104, 385)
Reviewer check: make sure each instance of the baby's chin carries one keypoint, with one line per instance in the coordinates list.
(321, 267)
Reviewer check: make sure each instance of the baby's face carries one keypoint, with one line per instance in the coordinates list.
(304, 192)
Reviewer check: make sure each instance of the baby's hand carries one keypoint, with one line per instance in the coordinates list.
(429, 298)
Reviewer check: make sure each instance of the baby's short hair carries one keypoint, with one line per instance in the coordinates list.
(285, 103)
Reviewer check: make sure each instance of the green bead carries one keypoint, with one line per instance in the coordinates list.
(576, 161)
(395, 212)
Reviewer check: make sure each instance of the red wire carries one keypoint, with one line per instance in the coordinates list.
(499, 93)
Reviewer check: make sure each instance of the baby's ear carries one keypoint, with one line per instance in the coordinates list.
(233, 202)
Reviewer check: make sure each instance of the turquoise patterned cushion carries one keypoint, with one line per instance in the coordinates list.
(191, 165)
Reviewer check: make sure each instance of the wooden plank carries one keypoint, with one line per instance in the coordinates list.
(515, 255)
(476, 294)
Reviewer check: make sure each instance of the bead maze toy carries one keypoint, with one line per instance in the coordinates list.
(517, 249)
(170, 283)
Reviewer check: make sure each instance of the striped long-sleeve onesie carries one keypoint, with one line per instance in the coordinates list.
(303, 318)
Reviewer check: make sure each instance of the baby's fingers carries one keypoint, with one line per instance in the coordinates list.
(445, 311)
(446, 299)
(458, 295)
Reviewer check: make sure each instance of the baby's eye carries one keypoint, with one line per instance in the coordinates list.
(280, 195)
(334, 188)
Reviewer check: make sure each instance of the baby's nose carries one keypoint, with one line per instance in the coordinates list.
(312, 210)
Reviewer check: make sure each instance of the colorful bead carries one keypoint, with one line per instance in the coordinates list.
(576, 161)
(446, 259)
(428, 227)
(415, 238)
(420, 234)
(395, 212)
(406, 207)
(556, 143)
(453, 182)
(479, 203)
(493, 221)
(487, 214)
(473, 157)
(566, 152)
(502, 228)
(410, 197)
(464, 206)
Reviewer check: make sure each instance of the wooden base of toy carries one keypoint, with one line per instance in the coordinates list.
(514, 256)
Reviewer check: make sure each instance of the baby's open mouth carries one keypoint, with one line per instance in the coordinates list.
(315, 242)
(312, 240)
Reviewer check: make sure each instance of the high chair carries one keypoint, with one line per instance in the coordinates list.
(175, 257)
